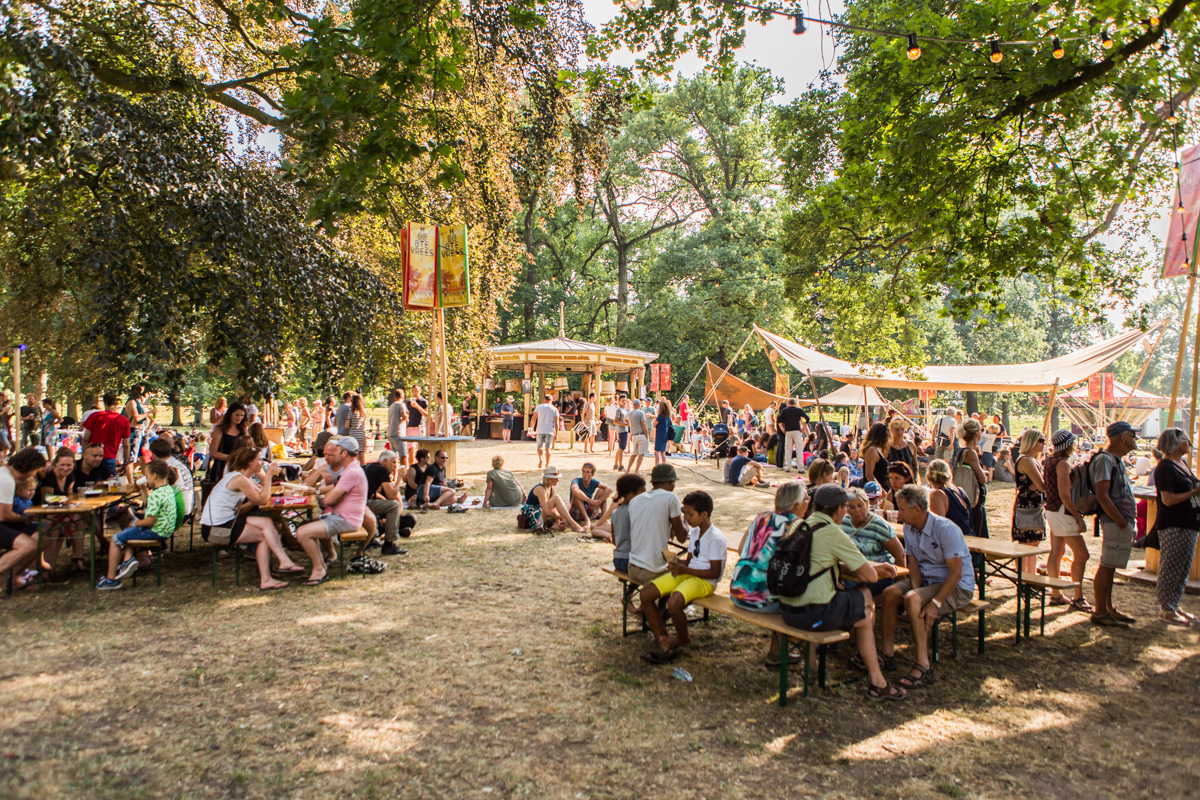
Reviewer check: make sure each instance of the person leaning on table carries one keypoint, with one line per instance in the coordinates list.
(1177, 523)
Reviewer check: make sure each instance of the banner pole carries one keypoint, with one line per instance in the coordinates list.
(1195, 367)
(1183, 334)
(1050, 407)
(817, 397)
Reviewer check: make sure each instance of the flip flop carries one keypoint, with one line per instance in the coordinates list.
(297, 570)
(318, 581)
(658, 657)
(283, 585)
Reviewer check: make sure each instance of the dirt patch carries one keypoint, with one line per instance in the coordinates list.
(489, 663)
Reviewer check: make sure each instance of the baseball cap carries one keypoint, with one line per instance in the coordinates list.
(1062, 440)
(831, 495)
(872, 489)
(1120, 427)
(663, 473)
(348, 443)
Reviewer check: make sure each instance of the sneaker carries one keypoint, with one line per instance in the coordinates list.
(390, 549)
(104, 584)
(127, 568)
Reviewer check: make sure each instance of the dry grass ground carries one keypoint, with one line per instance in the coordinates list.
(489, 663)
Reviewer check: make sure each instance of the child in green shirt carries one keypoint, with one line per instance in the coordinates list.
(159, 521)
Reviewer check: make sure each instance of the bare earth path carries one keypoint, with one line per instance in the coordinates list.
(489, 663)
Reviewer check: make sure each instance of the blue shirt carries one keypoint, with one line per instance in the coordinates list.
(932, 545)
(590, 489)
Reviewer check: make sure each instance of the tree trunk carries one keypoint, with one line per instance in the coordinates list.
(1004, 417)
(72, 408)
(530, 266)
(972, 399)
(176, 419)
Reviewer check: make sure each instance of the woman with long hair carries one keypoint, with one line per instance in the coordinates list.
(229, 508)
(261, 442)
(662, 431)
(900, 449)
(1030, 527)
(1066, 523)
(226, 433)
(970, 433)
(356, 421)
(217, 411)
(875, 463)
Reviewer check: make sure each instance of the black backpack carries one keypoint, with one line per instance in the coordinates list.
(789, 570)
(1083, 491)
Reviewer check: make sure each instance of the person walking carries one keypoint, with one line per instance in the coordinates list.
(1177, 524)
(662, 431)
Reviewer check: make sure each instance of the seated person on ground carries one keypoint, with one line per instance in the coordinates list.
(345, 500)
(414, 477)
(1003, 473)
(544, 510)
(748, 587)
(693, 575)
(820, 605)
(589, 496)
(741, 470)
(940, 580)
(159, 522)
(503, 489)
(874, 537)
(434, 491)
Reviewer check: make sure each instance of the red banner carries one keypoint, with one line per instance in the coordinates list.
(928, 394)
(664, 377)
(654, 377)
(1095, 382)
(1189, 191)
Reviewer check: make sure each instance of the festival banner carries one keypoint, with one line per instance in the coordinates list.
(1094, 388)
(1189, 191)
(664, 377)
(928, 394)
(454, 276)
(909, 407)
(654, 377)
(420, 268)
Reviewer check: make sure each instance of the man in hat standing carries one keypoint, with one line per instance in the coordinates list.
(1118, 519)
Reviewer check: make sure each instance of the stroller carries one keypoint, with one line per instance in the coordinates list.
(721, 442)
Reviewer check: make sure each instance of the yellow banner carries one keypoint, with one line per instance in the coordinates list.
(453, 266)
(421, 276)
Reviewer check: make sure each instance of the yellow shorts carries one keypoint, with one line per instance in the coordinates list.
(691, 587)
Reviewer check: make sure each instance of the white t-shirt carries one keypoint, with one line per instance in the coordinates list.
(711, 550)
(547, 418)
(252, 411)
(650, 516)
(946, 427)
(185, 483)
(610, 411)
(769, 417)
(87, 414)
(1143, 466)
(8, 486)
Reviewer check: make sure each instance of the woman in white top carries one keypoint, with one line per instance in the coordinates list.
(228, 506)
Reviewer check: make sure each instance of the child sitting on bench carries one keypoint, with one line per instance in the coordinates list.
(692, 576)
(159, 522)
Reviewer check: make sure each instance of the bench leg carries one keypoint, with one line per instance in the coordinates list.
(1028, 609)
(158, 566)
(783, 665)
(982, 630)
(1043, 622)
(933, 641)
(821, 666)
(954, 635)
(341, 559)
(624, 610)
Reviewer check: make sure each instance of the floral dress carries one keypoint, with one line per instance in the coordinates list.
(1027, 497)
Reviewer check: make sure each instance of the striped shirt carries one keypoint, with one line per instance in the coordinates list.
(871, 537)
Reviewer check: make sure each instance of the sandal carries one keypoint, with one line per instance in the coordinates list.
(317, 581)
(1060, 601)
(1081, 604)
(773, 662)
(1173, 618)
(885, 692)
(860, 665)
(887, 663)
(924, 679)
(277, 586)
(1190, 617)
(295, 570)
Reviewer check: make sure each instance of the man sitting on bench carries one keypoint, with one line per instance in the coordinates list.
(346, 501)
(940, 580)
(822, 606)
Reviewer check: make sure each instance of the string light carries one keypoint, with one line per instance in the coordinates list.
(1154, 18)
(1171, 118)
(800, 29)
(1175, 168)
(1180, 209)
(1106, 40)
(1057, 50)
(996, 55)
(914, 49)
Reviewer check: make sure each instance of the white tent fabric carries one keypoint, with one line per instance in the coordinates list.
(1038, 377)
(852, 396)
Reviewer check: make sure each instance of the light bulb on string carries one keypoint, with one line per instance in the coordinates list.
(1180, 207)
(914, 49)
(718, 284)
(1175, 169)
(996, 55)
(799, 29)
(1057, 48)
(1154, 18)
(1171, 116)
(1106, 40)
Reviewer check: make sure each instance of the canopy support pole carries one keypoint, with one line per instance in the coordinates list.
(1050, 410)
(692, 381)
(1183, 333)
(736, 356)
(1195, 368)
(816, 397)
(1142, 374)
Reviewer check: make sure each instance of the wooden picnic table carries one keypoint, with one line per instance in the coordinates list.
(90, 508)
(447, 443)
(1004, 558)
(292, 513)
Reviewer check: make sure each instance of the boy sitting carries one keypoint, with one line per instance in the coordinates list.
(692, 576)
(158, 521)
(23, 500)
(589, 496)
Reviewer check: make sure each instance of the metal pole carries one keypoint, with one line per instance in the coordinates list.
(445, 409)
(1183, 334)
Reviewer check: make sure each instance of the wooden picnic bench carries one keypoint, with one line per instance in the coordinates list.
(720, 604)
(1041, 584)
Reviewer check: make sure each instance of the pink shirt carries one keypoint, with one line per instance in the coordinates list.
(353, 504)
